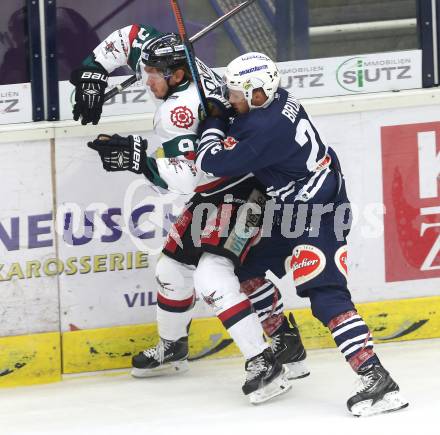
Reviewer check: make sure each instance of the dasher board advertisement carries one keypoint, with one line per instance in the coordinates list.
(15, 103)
(28, 275)
(311, 78)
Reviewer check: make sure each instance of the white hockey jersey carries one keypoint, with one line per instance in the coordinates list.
(176, 119)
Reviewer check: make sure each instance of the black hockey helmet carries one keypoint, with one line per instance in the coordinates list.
(165, 52)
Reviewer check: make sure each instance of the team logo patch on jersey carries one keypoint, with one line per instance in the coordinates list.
(110, 48)
(306, 263)
(182, 117)
(229, 143)
(341, 260)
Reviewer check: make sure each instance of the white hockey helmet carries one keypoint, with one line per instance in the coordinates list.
(252, 71)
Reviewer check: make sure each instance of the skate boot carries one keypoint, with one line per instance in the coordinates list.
(266, 378)
(167, 357)
(376, 393)
(289, 350)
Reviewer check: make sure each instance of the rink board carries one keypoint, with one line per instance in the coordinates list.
(111, 348)
(30, 359)
(34, 359)
(86, 282)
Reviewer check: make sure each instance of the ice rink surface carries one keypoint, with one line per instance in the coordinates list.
(208, 400)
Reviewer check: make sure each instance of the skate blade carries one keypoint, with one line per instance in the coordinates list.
(171, 368)
(278, 386)
(391, 402)
(297, 370)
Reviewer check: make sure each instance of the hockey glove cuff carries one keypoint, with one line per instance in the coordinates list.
(152, 173)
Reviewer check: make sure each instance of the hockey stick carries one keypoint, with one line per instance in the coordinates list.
(189, 52)
(126, 83)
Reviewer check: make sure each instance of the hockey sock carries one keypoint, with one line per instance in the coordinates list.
(173, 325)
(175, 298)
(231, 306)
(267, 303)
(353, 339)
(246, 332)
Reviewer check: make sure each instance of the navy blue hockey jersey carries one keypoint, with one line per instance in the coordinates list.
(279, 144)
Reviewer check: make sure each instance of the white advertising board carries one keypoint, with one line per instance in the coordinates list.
(349, 75)
(390, 161)
(109, 260)
(15, 103)
(91, 299)
(345, 75)
(134, 99)
(391, 165)
(110, 226)
(28, 281)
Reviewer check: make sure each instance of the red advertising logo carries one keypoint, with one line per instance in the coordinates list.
(341, 260)
(307, 262)
(411, 169)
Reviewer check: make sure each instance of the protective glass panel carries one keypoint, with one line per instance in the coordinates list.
(284, 30)
(14, 48)
(345, 27)
(330, 47)
(82, 25)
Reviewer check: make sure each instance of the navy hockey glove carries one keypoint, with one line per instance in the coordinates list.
(90, 84)
(121, 153)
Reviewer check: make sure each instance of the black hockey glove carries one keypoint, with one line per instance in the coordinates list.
(90, 84)
(219, 108)
(121, 153)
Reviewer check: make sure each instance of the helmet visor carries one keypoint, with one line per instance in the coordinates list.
(150, 75)
(151, 79)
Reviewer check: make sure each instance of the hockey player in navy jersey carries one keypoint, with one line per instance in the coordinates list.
(273, 137)
(184, 266)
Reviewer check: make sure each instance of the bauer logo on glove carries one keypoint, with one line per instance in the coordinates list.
(121, 153)
(90, 84)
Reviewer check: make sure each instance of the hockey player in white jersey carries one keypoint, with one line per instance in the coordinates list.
(163, 67)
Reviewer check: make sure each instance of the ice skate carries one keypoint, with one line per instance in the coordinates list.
(167, 357)
(266, 378)
(289, 350)
(376, 393)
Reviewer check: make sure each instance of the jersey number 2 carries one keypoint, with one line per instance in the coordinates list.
(306, 134)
